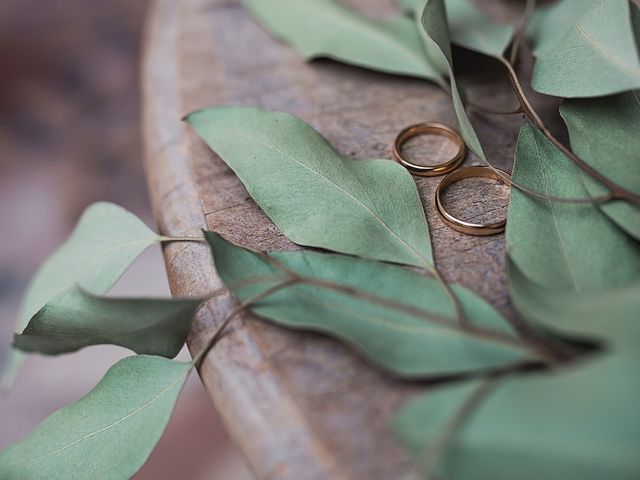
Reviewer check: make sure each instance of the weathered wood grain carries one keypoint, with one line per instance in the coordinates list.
(299, 405)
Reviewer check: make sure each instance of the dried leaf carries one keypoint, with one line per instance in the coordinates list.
(314, 195)
(585, 48)
(604, 133)
(609, 315)
(109, 433)
(573, 424)
(469, 27)
(76, 319)
(434, 23)
(563, 246)
(572, 250)
(402, 343)
(325, 28)
(105, 242)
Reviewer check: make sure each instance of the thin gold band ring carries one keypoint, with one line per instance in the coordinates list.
(423, 129)
(460, 225)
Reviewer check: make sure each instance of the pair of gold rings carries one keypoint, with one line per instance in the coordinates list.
(450, 167)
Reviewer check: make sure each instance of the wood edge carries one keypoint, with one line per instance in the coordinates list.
(258, 410)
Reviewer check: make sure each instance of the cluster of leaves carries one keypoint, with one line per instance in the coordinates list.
(573, 264)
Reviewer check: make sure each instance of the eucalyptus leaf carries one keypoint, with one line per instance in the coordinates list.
(573, 250)
(563, 246)
(314, 195)
(574, 424)
(585, 48)
(402, 343)
(434, 24)
(607, 315)
(325, 28)
(469, 27)
(106, 240)
(76, 319)
(604, 133)
(109, 433)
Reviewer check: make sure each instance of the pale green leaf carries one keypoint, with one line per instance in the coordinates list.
(550, 24)
(585, 48)
(604, 315)
(469, 27)
(76, 319)
(604, 133)
(434, 24)
(572, 251)
(109, 433)
(325, 28)
(575, 424)
(396, 340)
(314, 195)
(563, 246)
(105, 242)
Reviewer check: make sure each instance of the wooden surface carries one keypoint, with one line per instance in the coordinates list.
(299, 405)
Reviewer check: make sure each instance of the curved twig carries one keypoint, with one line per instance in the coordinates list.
(615, 190)
(518, 34)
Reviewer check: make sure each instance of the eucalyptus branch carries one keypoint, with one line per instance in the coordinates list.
(615, 190)
(197, 360)
(533, 193)
(459, 315)
(542, 196)
(418, 312)
(238, 284)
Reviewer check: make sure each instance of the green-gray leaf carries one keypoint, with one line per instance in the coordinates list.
(574, 251)
(469, 27)
(585, 48)
(314, 195)
(105, 242)
(563, 246)
(109, 433)
(607, 314)
(576, 424)
(434, 24)
(604, 133)
(76, 319)
(325, 28)
(401, 343)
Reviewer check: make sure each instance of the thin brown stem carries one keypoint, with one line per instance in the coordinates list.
(197, 360)
(182, 239)
(615, 190)
(520, 31)
(542, 196)
(453, 298)
(245, 282)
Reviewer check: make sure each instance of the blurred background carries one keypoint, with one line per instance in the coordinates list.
(69, 136)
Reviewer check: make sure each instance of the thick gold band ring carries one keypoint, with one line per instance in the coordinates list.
(434, 128)
(460, 225)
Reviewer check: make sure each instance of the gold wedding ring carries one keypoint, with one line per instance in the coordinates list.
(434, 128)
(460, 225)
